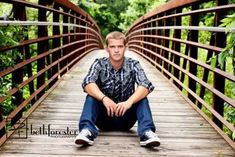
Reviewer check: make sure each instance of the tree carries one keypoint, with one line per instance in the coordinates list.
(105, 12)
(136, 9)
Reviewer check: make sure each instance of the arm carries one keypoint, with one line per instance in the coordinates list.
(140, 93)
(93, 90)
(143, 89)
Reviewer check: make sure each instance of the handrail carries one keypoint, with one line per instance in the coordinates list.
(74, 34)
(178, 53)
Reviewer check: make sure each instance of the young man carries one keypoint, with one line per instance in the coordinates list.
(112, 102)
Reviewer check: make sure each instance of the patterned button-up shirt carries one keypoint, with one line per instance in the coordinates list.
(110, 80)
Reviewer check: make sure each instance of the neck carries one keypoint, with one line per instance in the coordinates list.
(117, 64)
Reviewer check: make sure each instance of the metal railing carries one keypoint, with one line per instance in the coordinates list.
(63, 34)
(171, 37)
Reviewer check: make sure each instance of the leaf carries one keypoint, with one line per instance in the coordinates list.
(222, 57)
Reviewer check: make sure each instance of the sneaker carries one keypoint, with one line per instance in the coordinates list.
(150, 139)
(84, 138)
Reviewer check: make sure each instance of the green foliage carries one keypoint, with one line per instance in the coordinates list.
(105, 12)
(10, 36)
(229, 50)
(136, 9)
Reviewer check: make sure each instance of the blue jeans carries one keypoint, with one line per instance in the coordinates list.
(95, 114)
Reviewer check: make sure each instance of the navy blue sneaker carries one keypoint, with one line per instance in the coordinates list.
(150, 139)
(84, 138)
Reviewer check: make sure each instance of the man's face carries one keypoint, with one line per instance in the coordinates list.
(116, 49)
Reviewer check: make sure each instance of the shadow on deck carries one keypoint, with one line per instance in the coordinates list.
(182, 130)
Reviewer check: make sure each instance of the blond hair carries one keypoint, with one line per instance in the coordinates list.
(115, 35)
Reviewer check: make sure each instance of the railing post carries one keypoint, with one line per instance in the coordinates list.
(193, 52)
(81, 32)
(159, 42)
(2, 131)
(55, 43)
(17, 75)
(154, 39)
(206, 71)
(219, 81)
(65, 41)
(166, 44)
(72, 38)
(177, 47)
(149, 39)
(42, 47)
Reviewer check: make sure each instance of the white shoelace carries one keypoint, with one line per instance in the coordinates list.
(151, 134)
(85, 132)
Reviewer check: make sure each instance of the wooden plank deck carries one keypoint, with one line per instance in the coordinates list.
(181, 129)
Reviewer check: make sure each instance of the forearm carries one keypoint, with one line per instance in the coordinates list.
(93, 90)
(140, 93)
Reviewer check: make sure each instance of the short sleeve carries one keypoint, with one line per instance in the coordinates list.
(93, 73)
(141, 78)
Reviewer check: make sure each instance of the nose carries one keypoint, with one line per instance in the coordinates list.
(116, 49)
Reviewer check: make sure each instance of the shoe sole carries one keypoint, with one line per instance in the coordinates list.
(150, 144)
(83, 142)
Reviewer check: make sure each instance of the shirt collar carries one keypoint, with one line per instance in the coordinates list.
(124, 65)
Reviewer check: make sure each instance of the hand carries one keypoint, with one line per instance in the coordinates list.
(122, 107)
(110, 105)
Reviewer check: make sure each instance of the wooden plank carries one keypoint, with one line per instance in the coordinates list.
(181, 129)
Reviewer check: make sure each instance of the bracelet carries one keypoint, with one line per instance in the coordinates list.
(103, 98)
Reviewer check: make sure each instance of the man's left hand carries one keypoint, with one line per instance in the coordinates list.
(122, 107)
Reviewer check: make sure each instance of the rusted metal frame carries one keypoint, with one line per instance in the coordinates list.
(177, 46)
(33, 41)
(65, 41)
(206, 66)
(199, 11)
(166, 43)
(221, 132)
(83, 31)
(17, 76)
(217, 92)
(55, 43)
(148, 39)
(141, 39)
(36, 6)
(145, 38)
(167, 7)
(221, 118)
(42, 47)
(153, 40)
(3, 139)
(199, 45)
(22, 105)
(72, 37)
(191, 28)
(78, 10)
(43, 55)
(29, 69)
(193, 53)
(219, 81)
(160, 41)
(206, 71)
(30, 79)
(2, 130)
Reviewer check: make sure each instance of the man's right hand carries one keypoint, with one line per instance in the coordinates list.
(110, 105)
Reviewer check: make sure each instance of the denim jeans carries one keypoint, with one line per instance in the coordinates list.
(94, 115)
